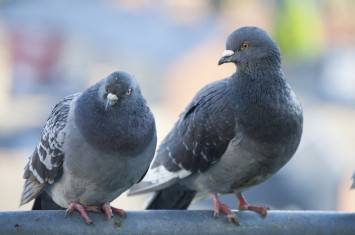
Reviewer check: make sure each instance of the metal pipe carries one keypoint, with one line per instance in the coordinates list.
(179, 222)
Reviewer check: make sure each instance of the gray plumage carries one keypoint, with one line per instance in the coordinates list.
(94, 146)
(235, 133)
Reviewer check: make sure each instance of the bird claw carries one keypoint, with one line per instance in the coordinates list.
(233, 218)
(216, 209)
(215, 214)
(230, 216)
(261, 210)
(82, 211)
(109, 211)
(219, 206)
(105, 208)
(88, 222)
(244, 205)
(119, 212)
(68, 212)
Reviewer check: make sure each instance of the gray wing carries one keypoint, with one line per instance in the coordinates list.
(202, 132)
(197, 141)
(44, 165)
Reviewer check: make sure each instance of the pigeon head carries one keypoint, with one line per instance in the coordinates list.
(113, 116)
(117, 87)
(249, 47)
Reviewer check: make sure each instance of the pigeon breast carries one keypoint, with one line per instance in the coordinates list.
(127, 128)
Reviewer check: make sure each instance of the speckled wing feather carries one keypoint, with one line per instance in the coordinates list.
(45, 163)
(197, 141)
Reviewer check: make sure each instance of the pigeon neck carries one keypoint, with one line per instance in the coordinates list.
(260, 68)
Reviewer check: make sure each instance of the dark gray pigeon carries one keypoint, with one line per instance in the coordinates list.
(235, 133)
(94, 146)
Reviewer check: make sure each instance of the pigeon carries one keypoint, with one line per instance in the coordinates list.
(44, 202)
(235, 133)
(94, 146)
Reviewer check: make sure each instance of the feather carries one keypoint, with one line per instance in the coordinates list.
(45, 163)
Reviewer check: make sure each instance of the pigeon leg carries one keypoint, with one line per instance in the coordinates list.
(219, 206)
(244, 205)
(74, 206)
(109, 210)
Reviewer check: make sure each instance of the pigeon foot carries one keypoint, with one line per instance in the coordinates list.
(109, 210)
(83, 210)
(218, 207)
(74, 206)
(244, 205)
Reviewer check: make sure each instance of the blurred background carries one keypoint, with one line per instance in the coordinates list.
(49, 49)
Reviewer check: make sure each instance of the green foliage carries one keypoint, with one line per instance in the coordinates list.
(298, 28)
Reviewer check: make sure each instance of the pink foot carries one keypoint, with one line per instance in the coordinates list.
(81, 209)
(105, 208)
(218, 207)
(244, 205)
(109, 210)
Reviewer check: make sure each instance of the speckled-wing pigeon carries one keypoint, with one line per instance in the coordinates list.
(94, 146)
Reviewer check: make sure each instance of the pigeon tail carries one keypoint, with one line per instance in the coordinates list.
(148, 187)
(175, 197)
(44, 202)
(31, 189)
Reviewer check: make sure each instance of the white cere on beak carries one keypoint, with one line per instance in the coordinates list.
(227, 53)
(112, 97)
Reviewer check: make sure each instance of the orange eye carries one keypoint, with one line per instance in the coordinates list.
(245, 45)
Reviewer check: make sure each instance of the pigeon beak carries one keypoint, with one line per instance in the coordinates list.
(226, 57)
(111, 100)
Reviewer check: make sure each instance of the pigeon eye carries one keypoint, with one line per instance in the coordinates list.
(245, 45)
(129, 92)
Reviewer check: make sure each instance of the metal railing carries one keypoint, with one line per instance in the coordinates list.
(179, 222)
